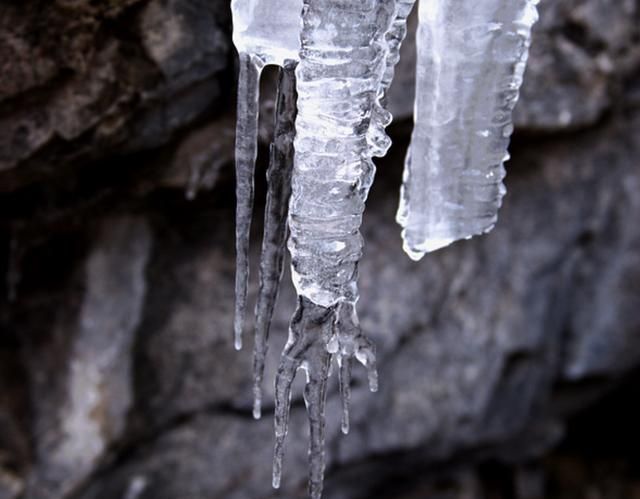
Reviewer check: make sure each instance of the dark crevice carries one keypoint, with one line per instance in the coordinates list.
(600, 442)
(579, 35)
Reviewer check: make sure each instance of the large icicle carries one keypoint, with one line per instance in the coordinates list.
(470, 63)
(275, 221)
(264, 32)
(342, 62)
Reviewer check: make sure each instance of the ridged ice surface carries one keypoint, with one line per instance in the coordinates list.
(394, 38)
(378, 139)
(343, 59)
(470, 63)
(342, 62)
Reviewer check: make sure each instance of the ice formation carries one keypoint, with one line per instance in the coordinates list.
(337, 60)
(470, 63)
(264, 32)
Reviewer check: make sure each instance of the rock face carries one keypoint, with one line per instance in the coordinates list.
(117, 373)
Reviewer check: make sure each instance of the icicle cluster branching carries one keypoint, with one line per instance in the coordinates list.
(336, 61)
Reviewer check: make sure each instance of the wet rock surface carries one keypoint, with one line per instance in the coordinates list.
(118, 378)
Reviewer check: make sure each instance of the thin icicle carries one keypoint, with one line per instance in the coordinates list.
(309, 332)
(264, 32)
(470, 63)
(315, 396)
(349, 342)
(246, 153)
(275, 222)
(344, 380)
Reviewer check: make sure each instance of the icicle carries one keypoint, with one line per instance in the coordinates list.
(264, 32)
(346, 343)
(275, 222)
(246, 152)
(344, 380)
(310, 330)
(471, 57)
(470, 63)
(342, 63)
(337, 79)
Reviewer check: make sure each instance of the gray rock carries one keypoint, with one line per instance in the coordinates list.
(105, 94)
(469, 345)
(117, 374)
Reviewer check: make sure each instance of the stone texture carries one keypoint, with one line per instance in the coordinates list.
(81, 401)
(102, 82)
(117, 374)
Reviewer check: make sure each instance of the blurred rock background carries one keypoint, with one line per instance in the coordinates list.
(508, 363)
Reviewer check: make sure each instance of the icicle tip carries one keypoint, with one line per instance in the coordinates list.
(257, 402)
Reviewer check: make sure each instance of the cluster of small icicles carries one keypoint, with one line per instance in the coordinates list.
(336, 61)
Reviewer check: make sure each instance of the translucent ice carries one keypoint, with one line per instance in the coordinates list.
(267, 29)
(264, 32)
(343, 59)
(275, 222)
(246, 153)
(337, 60)
(378, 139)
(470, 63)
(310, 330)
(313, 328)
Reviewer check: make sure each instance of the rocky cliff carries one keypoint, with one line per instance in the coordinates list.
(118, 377)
